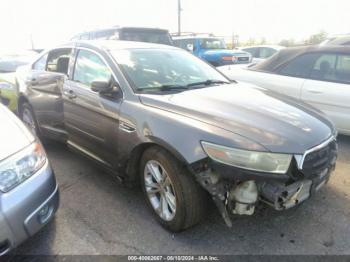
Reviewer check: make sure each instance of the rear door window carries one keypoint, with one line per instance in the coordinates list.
(342, 72)
(332, 68)
(324, 67)
(300, 66)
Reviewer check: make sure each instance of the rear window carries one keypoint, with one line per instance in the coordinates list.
(146, 36)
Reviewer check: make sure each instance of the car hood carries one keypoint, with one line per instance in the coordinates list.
(276, 122)
(226, 52)
(13, 134)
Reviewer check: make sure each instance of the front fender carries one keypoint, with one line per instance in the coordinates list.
(177, 133)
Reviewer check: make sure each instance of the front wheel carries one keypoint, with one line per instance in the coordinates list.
(28, 118)
(175, 198)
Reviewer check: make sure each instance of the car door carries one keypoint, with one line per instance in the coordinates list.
(44, 88)
(289, 78)
(91, 118)
(329, 88)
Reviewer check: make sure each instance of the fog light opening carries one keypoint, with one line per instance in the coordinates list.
(4, 247)
(45, 213)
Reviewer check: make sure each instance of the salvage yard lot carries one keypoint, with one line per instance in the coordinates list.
(99, 216)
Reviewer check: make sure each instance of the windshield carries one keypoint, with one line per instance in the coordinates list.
(163, 69)
(147, 36)
(10, 63)
(212, 43)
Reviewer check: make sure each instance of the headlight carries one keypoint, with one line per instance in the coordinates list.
(17, 168)
(251, 160)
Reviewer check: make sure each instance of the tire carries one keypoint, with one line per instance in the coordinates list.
(190, 198)
(28, 118)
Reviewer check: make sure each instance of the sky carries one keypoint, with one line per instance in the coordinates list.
(50, 22)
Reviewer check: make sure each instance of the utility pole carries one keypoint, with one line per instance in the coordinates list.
(31, 41)
(179, 17)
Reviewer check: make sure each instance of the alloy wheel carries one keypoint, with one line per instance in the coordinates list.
(160, 190)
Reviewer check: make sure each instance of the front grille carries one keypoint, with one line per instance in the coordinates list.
(319, 160)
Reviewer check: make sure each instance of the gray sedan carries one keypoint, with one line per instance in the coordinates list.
(28, 190)
(161, 117)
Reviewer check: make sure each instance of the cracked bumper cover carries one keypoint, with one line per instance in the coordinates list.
(280, 191)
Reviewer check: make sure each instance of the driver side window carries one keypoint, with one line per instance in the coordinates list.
(90, 67)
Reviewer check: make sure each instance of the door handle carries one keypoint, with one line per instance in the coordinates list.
(316, 92)
(70, 94)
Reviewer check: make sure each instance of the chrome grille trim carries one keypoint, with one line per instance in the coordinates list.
(300, 159)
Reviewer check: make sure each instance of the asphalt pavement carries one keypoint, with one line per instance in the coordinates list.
(97, 215)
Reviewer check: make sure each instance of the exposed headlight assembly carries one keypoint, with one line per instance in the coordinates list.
(251, 160)
(20, 166)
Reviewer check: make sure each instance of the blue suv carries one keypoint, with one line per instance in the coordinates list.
(212, 49)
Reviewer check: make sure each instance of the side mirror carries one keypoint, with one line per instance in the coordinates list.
(101, 86)
(190, 47)
(105, 88)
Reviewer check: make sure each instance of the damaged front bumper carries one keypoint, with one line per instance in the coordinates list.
(239, 191)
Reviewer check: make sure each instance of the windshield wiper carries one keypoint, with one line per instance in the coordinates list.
(169, 87)
(208, 83)
(172, 87)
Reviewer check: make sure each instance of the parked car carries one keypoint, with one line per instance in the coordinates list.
(262, 52)
(159, 115)
(212, 49)
(28, 190)
(139, 34)
(9, 62)
(337, 40)
(319, 76)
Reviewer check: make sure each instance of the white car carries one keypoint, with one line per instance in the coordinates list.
(337, 40)
(318, 75)
(262, 52)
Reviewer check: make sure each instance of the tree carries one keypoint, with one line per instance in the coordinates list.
(287, 42)
(316, 38)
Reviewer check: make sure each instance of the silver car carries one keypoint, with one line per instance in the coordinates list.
(29, 194)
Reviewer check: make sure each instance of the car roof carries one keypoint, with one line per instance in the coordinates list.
(155, 29)
(287, 54)
(336, 40)
(116, 45)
